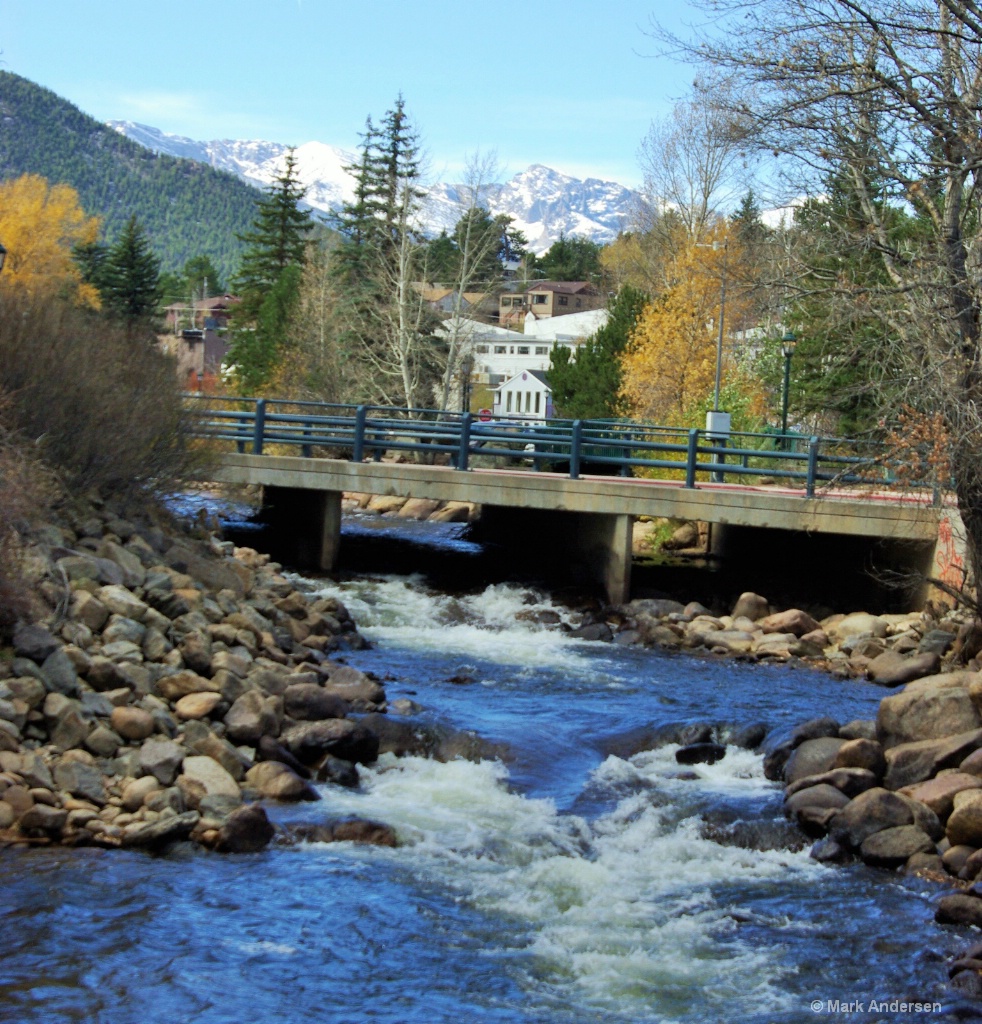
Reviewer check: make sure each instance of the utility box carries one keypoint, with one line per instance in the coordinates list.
(718, 424)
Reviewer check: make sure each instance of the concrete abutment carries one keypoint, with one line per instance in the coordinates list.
(305, 526)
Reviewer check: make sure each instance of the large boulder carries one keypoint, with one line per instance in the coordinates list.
(909, 763)
(892, 847)
(893, 669)
(253, 716)
(355, 687)
(939, 793)
(340, 737)
(869, 813)
(163, 831)
(208, 773)
(161, 758)
(959, 908)
(850, 781)
(308, 702)
(246, 830)
(924, 710)
(794, 620)
(965, 821)
(750, 605)
(813, 757)
(858, 624)
(275, 781)
(862, 753)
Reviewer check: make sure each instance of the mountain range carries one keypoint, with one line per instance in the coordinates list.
(542, 202)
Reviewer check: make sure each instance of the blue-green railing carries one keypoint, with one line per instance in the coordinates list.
(573, 447)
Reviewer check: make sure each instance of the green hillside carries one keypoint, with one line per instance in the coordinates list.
(187, 208)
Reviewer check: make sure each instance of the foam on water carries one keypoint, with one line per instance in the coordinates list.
(401, 612)
(629, 909)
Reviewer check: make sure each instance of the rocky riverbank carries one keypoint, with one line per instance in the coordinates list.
(168, 683)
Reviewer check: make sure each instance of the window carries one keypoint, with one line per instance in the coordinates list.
(523, 350)
(538, 395)
(563, 301)
(482, 350)
(579, 302)
(508, 406)
(500, 350)
(528, 401)
(538, 300)
(542, 350)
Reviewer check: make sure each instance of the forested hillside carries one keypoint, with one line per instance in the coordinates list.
(187, 208)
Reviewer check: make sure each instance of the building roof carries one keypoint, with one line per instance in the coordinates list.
(474, 330)
(567, 326)
(541, 376)
(563, 287)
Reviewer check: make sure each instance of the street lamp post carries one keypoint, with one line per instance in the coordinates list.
(788, 343)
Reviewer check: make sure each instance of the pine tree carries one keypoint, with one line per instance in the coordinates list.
(131, 277)
(277, 239)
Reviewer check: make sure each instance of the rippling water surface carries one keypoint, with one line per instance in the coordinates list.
(562, 885)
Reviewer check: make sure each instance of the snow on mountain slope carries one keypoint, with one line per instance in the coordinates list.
(543, 202)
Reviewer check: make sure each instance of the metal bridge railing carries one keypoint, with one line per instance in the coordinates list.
(572, 447)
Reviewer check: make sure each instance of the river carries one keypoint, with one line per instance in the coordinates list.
(560, 884)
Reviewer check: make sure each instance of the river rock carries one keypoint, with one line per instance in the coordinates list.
(211, 775)
(81, 780)
(909, 763)
(42, 818)
(939, 793)
(418, 508)
(359, 830)
(71, 731)
(161, 758)
(926, 710)
(119, 600)
(340, 737)
(34, 642)
(246, 830)
(270, 749)
(89, 610)
(196, 652)
(857, 624)
(893, 669)
(859, 729)
(309, 702)
(964, 827)
(850, 781)
(355, 687)
(132, 723)
(814, 729)
(959, 908)
(162, 831)
(936, 641)
(813, 757)
(275, 781)
(869, 813)
(793, 621)
(700, 753)
(892, 847)
(821, 798)
(253, 716)
(751, 606)
(179, 685)
(197, 705)
(338, 772)
(59, 673)
(382, 503)
(749, 737)
(136, 792)
(866, 754)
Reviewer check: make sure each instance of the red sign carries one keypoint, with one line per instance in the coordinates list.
(485, 415)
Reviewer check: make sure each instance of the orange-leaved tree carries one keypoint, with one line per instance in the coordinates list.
(670, 363)
(40, 225)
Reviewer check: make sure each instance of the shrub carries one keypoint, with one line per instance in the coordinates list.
(102, 409)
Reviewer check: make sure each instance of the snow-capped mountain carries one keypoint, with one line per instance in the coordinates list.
(543, 202)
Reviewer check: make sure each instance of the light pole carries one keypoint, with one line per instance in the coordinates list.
(788, 343)
(718, 422)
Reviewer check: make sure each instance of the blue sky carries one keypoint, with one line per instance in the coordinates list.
(566, 83)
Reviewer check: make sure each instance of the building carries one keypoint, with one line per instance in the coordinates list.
(526, 396)
(198, 339)
(545, 299)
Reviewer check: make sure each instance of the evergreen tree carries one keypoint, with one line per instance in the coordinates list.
(588, 387)
(569, 259)
(201, 278)
(276, 241)
(131, 277)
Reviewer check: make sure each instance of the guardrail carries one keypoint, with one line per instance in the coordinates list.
(569, 446)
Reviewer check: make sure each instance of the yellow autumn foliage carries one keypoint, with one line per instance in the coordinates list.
(670, 362)
(40, 224)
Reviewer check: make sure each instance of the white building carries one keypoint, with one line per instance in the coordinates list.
(526, 395)
(499, 354)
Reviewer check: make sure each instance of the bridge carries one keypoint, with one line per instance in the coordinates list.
(574, 486)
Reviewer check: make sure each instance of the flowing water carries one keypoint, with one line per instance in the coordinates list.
(565, 882)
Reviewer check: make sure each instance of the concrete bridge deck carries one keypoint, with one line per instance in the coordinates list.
(593, 514)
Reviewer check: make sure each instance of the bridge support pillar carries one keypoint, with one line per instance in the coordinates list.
(579, 547)
(305, 526)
